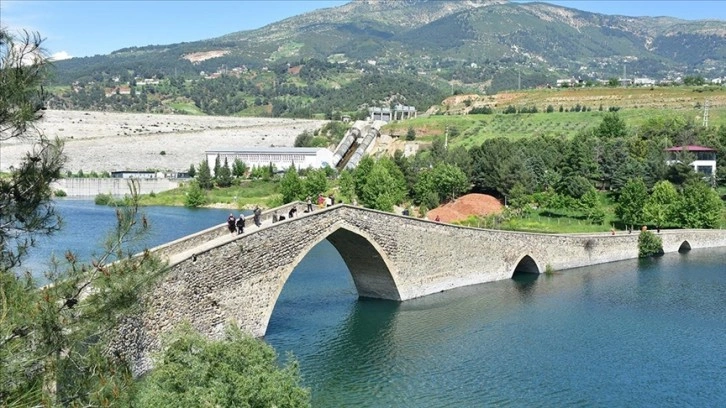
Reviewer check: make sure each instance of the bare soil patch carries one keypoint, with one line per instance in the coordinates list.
(466, 206)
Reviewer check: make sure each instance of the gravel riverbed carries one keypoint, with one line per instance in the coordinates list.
(109, 141)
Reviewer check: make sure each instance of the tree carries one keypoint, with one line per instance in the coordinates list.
(660, 208)
(315, 182)
(346, 184)
(26, 209)
(631, 202)
(411, 134)
(54, 340)
(291, 186)
(590, 204)
(195, 196)
(217, 165)
(192, 171)
(239, 168)
(612, 126)
(204, 176)
(383, 187)
(701, 206)
(224, 175)
(446, 180)
(238, 371)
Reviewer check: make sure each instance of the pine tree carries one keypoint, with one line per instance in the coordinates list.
(224, 175)
(204, 176)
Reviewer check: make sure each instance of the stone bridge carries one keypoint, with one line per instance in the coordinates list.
(215, 278)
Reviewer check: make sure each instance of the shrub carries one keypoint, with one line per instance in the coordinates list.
(60, 193)
(103, 199)
(481, 110)
(649, 244)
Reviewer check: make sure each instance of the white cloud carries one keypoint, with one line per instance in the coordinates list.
(61, 55)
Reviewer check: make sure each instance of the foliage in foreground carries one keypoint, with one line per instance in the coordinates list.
(239, 371)
(54, 339)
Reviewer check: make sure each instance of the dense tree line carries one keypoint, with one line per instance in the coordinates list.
(628, 165)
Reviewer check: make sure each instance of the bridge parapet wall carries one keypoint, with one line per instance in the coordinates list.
(195, 240)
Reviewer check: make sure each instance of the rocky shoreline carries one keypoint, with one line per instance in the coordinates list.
(110, 141)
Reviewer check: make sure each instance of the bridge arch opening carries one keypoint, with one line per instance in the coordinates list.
(685, 247)
(366, 264)
(526, 265)
(341, 267)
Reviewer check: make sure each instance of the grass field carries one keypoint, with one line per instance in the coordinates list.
(636, 106)
(247, 195)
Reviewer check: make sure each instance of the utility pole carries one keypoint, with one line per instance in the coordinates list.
(446, 137)
(705, 113)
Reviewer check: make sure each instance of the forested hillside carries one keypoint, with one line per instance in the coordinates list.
(375, 52)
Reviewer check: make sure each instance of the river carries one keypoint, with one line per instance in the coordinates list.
(632, 333)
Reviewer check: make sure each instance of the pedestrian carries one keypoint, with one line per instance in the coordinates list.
(292, 212)
(438, 219)
(230, 223)
(309, 202)
(330, 200)
(355, 202)
(321, 200)
(258, 216)
(241, 224)
(274, 217)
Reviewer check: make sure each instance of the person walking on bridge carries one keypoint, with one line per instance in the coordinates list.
(258, 216)
(230, 223)
(309, 202)
(240, 224)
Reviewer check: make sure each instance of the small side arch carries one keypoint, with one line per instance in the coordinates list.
(526, 265)
(685, 247)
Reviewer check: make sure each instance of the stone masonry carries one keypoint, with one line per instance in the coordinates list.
(216, 278)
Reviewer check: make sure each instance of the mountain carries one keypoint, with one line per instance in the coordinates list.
(485, 45)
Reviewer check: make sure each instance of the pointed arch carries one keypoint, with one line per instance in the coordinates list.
(368, 264)
(685, 247)
(526, 264)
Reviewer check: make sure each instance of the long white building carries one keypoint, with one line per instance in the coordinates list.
(280, 157)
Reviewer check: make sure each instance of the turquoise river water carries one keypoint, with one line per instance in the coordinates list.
(640, 333)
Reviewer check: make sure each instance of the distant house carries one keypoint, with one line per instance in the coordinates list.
(132, 174)
(705, 162)
(643, 82)
(280, 157)
(399, 112)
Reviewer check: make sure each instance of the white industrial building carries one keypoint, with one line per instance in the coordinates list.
(280, 157)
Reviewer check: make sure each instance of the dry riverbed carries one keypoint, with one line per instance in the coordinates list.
(108, 141)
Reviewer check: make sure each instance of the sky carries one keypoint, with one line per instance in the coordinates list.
(92, 27)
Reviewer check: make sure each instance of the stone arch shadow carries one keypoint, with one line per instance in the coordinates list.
(526, 264)
(685, 247)
(371, 269)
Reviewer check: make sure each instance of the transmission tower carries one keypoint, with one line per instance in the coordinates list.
(705, 113)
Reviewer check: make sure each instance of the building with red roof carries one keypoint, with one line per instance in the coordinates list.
(705, 158)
